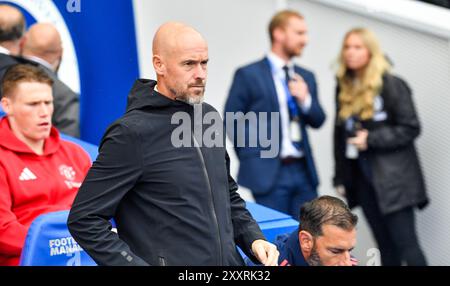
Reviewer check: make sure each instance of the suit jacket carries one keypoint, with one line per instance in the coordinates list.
(253, 89)
(393, 164)
(66, 114)
(5, 62)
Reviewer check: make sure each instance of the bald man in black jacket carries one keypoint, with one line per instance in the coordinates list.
(173, 205)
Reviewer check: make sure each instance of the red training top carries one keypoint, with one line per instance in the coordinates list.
(32, 184)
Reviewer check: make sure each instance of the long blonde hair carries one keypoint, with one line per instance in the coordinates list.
(356, 98)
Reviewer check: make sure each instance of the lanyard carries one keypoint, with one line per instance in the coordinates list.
(292, 105)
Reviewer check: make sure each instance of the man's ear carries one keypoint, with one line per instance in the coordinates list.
(306, 241)
(278, 34)
(22, 42)
(158, 65)
(6, 105)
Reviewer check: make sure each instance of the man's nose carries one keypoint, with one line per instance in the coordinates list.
(200, 72)
(44, 109)
(346, 259)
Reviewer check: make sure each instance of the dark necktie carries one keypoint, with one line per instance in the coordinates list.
(286, 73)
(288, 78)
(292, 117)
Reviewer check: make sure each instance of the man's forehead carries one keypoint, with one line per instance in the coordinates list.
(29, 91)
(189, 42)
(296, 23)
(195, 51)
(336, 236)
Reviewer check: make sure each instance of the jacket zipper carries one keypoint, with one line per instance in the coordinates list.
(162, 261)
(196, 145)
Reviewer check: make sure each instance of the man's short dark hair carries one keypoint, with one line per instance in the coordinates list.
(326, 210)
(12, 31)
(22, 73)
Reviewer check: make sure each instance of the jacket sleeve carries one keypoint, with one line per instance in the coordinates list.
(66, 115)
(315, 117)
(339, 145)
(115, 172)
(12, 232)
(403, 126)
(246, 230)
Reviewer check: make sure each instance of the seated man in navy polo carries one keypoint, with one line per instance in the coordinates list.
(325, 237)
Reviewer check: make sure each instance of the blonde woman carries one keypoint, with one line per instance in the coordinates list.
(376, 164)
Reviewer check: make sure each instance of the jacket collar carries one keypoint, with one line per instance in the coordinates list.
(278, 63)
(143, 95)
(290, 251)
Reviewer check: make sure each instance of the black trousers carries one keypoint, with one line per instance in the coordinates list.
(394, 233)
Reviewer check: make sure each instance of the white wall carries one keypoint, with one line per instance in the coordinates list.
(236, 32)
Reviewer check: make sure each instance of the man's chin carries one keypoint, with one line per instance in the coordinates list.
(192, 98)
(195, 99)
(38, 137)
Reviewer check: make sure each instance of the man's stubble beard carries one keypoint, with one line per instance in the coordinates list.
(185, 97)
(314, 258)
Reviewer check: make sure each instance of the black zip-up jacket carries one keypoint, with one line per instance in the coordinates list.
(172, 206)
(391, 161)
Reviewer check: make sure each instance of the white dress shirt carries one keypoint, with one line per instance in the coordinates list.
(4, 51)
(279, 77)
(40, 61)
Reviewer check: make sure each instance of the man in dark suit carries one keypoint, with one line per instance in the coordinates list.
(276, 84)
(12, 28)
(42, 46)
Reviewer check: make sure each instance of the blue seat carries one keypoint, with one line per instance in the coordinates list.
(91, 149)
(49, 243)
(271, 222)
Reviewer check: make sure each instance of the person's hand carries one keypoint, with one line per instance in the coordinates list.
(298, 88)
(265, 252)
(340, 190)
(360, 140)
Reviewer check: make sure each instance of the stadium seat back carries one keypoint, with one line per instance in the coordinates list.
(49, 243)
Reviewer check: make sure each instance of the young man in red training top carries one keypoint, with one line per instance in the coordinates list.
(39, 172)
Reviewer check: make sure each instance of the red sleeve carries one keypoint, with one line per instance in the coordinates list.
(12, 233)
